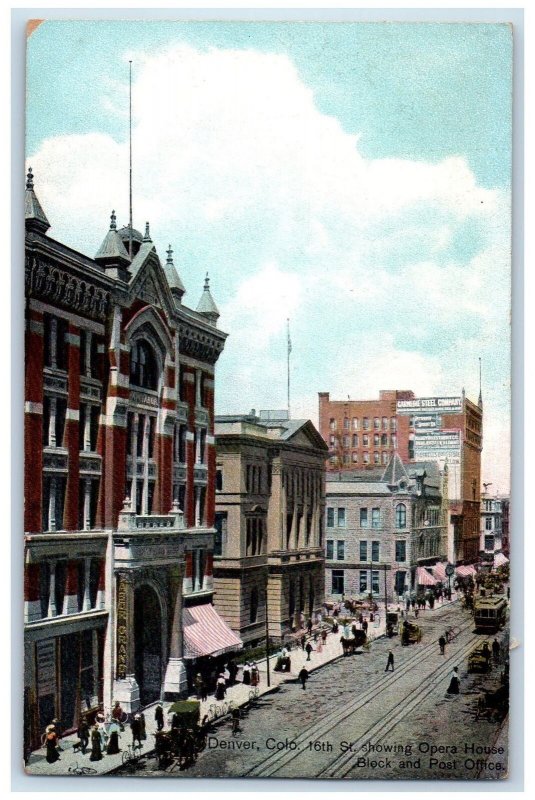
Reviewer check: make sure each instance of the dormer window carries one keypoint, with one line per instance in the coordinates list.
(143, 366)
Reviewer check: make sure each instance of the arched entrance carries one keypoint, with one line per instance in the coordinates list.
(148, 643)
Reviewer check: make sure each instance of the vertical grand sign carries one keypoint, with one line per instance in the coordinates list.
(122, 626)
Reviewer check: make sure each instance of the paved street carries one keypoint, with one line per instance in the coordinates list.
(356, 721)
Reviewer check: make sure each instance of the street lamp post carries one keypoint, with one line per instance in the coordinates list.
(267, 637)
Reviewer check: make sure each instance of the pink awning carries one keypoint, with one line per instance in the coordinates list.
(439, 571)
(423, 578)
(500, 560)
(206, 634)
(465, 570)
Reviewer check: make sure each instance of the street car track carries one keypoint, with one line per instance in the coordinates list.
(343, 764)
(321, 729)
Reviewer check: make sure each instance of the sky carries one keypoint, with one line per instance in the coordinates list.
(352, 177)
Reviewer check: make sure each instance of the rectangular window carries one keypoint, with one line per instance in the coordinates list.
(341, 517)
(140, 435)
(355, 458)
(394, 441)
(152, 427)
(401, 550)
(347, 459)
(385, 423)
(375, 581)
(329, 552)
(332, 424)
(385, 458)
(340, 550)
(363, 580)
(393, 424)
(376, 517)
(489, 542)
(220, 526)
(356, 423)
(363, 517)
(375, 551)
(376, 440)
(330, 517)
(376, 458)
(488, 523)
(363, 551)
(365, 440)
(366, 424)
(411, 447)
(366, 458)
(332, 441)
(338, 581)
(355, 440)
(376, 423)
(346, 423)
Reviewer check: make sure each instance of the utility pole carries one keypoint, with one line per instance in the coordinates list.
(386, 600)
(267, 636)
(289, 350)
(130, 223)
(371, 584)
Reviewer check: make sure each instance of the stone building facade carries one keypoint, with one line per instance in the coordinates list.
(362, 435)
(119, 475)
(383, 529)
(269, 515)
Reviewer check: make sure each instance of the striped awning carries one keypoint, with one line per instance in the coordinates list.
(500, 560)
(423, 578)
(465, 570)
(206, 634)
(439, 571)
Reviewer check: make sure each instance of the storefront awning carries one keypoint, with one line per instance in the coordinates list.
(206, 634)
(465, 570)
(500, 560)
(439, 571)
(423, 578)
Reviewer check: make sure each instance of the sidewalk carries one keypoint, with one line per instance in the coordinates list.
(237, 694)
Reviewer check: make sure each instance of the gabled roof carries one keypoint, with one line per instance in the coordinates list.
(293, 429)
(395, 471)
(33, 212)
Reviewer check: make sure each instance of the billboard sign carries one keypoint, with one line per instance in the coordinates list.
(430, 405)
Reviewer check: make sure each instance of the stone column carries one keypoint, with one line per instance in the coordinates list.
(125, 688)
(70, 600)
(87, 574)
(32, 602)
(87, 504)
(175, 682)
(52, 505)
(71, 439)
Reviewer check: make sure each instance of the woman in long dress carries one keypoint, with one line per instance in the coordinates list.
(453, 688)
(220, 688)
(247, 674)
(255, 675)
(96, 749)
(112, 747)
(51, 741)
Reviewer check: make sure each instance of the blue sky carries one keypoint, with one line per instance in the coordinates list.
(354, 177)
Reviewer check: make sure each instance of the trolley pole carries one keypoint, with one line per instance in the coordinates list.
(267, 637)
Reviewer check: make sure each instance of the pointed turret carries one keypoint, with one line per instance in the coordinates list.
(147, 238)
(34, 215)
(395, 471)
(112, 254)
(206, 306)
(173, 280)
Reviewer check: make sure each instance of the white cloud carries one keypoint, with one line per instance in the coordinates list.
(373, 260)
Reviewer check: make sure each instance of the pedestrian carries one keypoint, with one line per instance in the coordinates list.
(135, 727)
(199, 685)
(319, 648)
(309, 626)
(324, 635)
(303, 641)
(315, 637)
(496, 650)
(112, 748)
(83, 734)
(486, 651)
(117, 714)
(303, 677)
(335, 627)
(51, 743)
(416, 612)
(246, 679)
(158, 717)
(390, 661)
(365, 627)
(175, 721)
(100, 722)
(235, 715)
(232, 671)
(407, 605)
(220, 688)
(96, 746)
(143, 726)
(255, 675)
(309, 649)
(442, 645)
(453, 688)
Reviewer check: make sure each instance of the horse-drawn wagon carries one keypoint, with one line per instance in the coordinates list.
(181, 745)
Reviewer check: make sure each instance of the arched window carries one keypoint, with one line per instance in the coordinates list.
(143, 366)
(401, 515)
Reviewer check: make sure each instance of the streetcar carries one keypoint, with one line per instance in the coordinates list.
(490, 614)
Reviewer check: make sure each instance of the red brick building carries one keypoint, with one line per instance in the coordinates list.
(364, 434)
(119, 476)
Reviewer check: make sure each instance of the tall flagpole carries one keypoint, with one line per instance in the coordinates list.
(130, 175)
(289, 350)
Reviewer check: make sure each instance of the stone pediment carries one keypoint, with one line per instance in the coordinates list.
(150, 286)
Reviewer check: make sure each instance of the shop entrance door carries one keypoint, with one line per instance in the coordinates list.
(148, 643)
